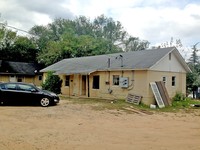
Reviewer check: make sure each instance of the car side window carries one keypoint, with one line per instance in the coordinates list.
(23, 87)
(11, 86)
(2, 86)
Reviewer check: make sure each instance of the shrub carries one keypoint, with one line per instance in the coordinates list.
(179, 97)
(52, 83)
(181, 101)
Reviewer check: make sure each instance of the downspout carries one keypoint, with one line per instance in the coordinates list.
(132, 80)
(109, 89)
(69, 85)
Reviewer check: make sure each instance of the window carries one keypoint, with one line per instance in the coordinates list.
(164, 80)
(67, 80)
(40, 77)
(20, 79)
(95, 82)
(170, 56)
(115, 80)
(173, 80)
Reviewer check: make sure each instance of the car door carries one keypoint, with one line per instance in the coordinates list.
(2, 91)
(28, 93)
(9, 92)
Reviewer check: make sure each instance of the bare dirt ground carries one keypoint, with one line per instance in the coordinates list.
(78, 127)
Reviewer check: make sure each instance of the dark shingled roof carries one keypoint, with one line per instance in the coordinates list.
(133, 60)
(21, 68)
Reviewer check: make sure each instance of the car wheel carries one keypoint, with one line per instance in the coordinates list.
(44, 102)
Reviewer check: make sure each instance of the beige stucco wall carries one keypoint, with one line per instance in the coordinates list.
(180, 85)
(4, 78)
(36, 80)
(28, 79)
(138, 84)
(67, 90)
(169, 63)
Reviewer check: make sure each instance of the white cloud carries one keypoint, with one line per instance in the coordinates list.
(159, 25)
(153, 20)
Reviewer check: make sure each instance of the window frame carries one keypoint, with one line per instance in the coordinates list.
(115, 80)
(164, 79)
(96, 82)
(170, 56)
(40, 77)
(67, 81)
(20, 78)
(173, 80)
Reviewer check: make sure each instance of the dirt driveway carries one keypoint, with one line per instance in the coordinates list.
(78, 127)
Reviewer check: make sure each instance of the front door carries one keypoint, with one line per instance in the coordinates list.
(83, 85)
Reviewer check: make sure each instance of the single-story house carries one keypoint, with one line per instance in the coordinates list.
(20, 72)
(114, 76)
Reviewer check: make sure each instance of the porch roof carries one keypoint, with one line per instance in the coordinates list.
(83, 72)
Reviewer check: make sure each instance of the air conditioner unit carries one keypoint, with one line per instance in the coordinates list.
(123, 82)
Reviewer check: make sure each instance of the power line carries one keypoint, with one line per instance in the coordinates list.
(4, 24)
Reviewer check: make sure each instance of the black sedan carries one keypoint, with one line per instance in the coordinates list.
(24, 93)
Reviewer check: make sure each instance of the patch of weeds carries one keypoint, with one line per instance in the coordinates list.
(180, 102)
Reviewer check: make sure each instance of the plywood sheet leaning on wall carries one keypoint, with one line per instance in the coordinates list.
(163, 92)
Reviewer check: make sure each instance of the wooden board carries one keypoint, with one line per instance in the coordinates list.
(163, 92)
(157, 95)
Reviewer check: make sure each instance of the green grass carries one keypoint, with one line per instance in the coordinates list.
(187, 103)
(103, 104)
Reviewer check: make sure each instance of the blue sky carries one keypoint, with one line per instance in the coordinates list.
(153, 20)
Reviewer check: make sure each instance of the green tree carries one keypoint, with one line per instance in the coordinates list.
(24, 49)
(82, 37)
(12, 45)
(193, 78)
(58, 50)
(52, 83)
(41, 36)
(7, 39)
(135, 44)
(194, 59)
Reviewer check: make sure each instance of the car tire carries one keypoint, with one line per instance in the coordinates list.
(44, 102)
